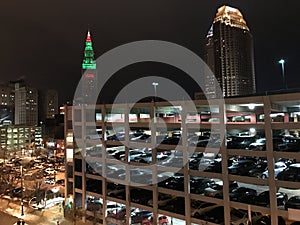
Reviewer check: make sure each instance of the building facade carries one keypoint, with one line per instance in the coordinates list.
(26, 105)
(7, 104)
(229, 54)
(98, 176)
(19, 137)
(49, 104)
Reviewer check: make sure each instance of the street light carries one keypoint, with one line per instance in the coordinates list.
(282, 62)
(154, 85)
(22, 203)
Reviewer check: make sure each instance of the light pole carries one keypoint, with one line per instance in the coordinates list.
(282, 62)
(154, 85)
(22, 203)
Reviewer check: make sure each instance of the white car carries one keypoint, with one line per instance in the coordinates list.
(279, 167)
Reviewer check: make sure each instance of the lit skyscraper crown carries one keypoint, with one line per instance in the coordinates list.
(231, 17)
(88, 60)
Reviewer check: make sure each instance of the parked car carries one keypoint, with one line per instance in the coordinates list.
(292, 173)
(171, 141)
(290, 144)
(140, 196)
(198, 184)
(60, 182)
(138, 217)
(278, 167)
(173, 182)
(50, 171)
(241, 167)
(177, 205)
(243, 194)
(162, 200)
(259, 169)
(266, 220)
(216, 190)
(114, 189)
(263, 199)
(214, 215)
(172, 162)
(293, 202)
(239, 142)
(17, 192)
(259, 144)
(202, 208)
(193, 141)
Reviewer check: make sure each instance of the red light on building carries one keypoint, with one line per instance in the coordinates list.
(90, 75)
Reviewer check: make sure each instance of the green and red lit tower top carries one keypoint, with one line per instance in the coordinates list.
(89, 71)
(88, 60)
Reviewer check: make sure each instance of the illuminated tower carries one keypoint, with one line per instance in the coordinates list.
(89, 87)
(229, 53)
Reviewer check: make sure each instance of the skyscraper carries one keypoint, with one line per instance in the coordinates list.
(26, 105)
(89, 71)
(229, 54)
(48, 104)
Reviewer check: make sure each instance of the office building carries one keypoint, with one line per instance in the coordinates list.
(7, 104)
(49, 104)
(19, 137)
(229, 54)
(26, 105)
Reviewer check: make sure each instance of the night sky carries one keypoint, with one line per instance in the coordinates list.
(43, 41)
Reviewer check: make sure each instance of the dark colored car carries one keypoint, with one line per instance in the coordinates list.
(16, 192)
(292, 173)
(263, 199)
(198, 185)
(216, 190)
(266, 220)
(215, 215)
(173, 162)
(171, 141)
(216, 165)
(238, 142)
(140, 196)
(258, 145)
(174, 182)
(60, 182)
(243, 194)
(290, 144)
(241, 167)
(258, 170)
(137, 217)
(193, 141)
(293, 202)
(177, 205)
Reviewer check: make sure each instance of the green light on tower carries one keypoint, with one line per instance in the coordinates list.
(88, 60)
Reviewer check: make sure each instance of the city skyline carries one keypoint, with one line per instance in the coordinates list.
(44, 42)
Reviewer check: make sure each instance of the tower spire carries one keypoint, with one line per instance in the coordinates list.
(88, 60)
